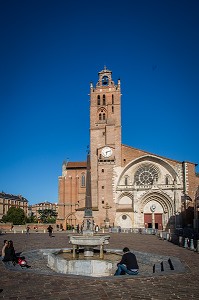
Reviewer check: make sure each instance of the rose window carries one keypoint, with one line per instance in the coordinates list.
(147, 174)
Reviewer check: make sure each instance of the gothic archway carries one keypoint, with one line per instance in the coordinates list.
(71, 219)
(157, 210)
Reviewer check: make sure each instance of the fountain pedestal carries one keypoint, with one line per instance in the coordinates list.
(88, 242)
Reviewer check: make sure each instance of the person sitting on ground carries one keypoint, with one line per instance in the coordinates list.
(10, 253)
(128, 264)
(5, 244)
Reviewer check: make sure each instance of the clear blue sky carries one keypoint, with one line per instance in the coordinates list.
(49, 53)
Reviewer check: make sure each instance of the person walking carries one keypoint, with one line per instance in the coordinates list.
(28, 229)
(128, 264)
(50, 230)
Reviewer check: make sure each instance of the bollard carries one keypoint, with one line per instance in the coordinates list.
(191, 247)
(197, 248)
(180, 241)
(186, 243)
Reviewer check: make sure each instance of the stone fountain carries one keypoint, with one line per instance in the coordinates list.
(88, 240)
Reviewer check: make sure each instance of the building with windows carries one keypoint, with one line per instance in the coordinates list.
(9, 200)
(33, 209)
(131, 188)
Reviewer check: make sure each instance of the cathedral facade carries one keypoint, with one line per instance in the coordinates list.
(130, 188)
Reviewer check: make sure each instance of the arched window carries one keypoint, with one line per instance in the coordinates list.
(102, 115)
(98, 100)
(83, 181)
(112, 99)
(104, 99)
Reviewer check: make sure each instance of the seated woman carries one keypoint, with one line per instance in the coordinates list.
(10, 253)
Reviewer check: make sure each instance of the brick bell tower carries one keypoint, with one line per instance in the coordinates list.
(105, 143)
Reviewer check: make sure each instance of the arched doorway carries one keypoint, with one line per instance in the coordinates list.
(71, 220)
(157, 209)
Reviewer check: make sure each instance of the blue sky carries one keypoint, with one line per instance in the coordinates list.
(51, 50)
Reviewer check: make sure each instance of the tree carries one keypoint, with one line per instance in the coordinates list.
(31, 219)
(15, 215)
(47, 215)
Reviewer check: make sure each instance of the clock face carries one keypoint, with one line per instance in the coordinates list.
(107, 151)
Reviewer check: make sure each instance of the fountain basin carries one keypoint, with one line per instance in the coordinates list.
(85, 267)
(93, 241)
(60, 261)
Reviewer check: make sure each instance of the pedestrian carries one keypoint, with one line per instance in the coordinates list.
(28, 229)
(96, 228)
(50, 230)
(77, 228)
(128, 264)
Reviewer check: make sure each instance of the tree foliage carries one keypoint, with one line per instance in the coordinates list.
(31, 219)
(47, 215)
(15, 215)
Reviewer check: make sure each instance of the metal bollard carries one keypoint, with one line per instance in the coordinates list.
(186, 243)
(191, 245)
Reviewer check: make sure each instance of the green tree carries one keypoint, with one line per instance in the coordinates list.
(15, 215)
(31, 219)
(47, 215)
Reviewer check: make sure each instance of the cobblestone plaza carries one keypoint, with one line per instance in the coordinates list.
(22, 284)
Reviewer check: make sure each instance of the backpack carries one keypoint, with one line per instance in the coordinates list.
(22, 262)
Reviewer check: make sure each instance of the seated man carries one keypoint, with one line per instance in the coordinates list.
(128, 264)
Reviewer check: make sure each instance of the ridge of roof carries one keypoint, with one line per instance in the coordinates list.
(13, 197)
(76, 164)
(178, 161)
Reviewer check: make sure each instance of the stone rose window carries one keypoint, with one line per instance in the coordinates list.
(147, 174)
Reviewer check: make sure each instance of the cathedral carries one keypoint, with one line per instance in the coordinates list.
(130, 188)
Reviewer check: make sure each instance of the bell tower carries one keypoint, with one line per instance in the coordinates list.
(105, 137)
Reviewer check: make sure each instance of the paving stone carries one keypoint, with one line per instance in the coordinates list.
(19, 284)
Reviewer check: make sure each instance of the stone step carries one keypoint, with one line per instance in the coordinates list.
(164, 266)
